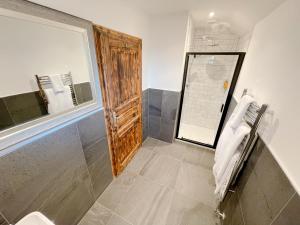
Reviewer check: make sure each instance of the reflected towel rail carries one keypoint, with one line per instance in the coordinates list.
(44, 83)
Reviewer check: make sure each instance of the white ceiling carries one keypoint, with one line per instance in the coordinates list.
(241, 14)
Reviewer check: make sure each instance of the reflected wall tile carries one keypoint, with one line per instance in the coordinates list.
(83, 92)
(48, 172)
(25, 107)
(5, 118)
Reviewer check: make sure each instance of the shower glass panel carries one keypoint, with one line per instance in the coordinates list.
(207, 88)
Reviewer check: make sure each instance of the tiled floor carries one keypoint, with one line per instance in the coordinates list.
(165, 184)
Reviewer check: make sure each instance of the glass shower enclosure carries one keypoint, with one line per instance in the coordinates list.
(208, 85)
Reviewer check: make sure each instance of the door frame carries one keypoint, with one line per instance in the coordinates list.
(241, 56)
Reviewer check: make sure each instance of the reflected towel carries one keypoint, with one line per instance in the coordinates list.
(59, 101)
(240, 110)
(228, 149)
(57, 83)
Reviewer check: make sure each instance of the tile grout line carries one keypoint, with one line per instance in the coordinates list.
(283, 207)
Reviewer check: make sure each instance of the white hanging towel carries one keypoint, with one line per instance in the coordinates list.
(59, 101)
(57, 83)
(228, 150)
(222, 185)
(240, 110)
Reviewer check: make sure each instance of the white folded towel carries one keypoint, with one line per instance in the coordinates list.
(240, 110)
(222, 185)
(57, 83)
(229, 149)
(59, 101)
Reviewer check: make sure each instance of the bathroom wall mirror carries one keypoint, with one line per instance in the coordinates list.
(47, 67)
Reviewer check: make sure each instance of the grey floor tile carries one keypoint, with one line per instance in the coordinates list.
(117, 220)
(162, 169)
(187, 211)
(146, 203)
(199, 156)
(150, 143)
(117, 190)
(196, 182)
(97, 215)
(141, 158)
(175, 150)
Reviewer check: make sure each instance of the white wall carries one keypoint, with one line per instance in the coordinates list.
(30, 48)
(272, 72)
(115, 15)
(167, 34)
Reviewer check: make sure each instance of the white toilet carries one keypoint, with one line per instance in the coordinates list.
(35, 218)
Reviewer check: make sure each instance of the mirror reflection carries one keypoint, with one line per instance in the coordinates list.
(44, 68)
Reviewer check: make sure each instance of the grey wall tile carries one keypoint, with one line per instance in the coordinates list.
(5, 118)
(254, 205)
(271, 179)
(290, 214)
(263, 190)
(167, 130)
(145, 113)
(3, 221)
(170, 102)
(92, 129)
(83, 92)
(155, 101)
(99, 166)
(49, 175)
(154, 126)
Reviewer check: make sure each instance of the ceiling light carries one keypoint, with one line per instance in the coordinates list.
(211, 14)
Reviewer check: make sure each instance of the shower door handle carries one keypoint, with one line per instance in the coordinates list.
(222, 107)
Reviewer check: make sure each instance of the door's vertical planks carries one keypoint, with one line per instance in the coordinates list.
(119, 61)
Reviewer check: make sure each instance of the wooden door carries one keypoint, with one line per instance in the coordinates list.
(119, 61)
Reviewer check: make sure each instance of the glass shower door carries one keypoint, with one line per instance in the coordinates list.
(209, 82)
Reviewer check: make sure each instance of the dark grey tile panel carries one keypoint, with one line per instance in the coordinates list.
(92, 129)
(253, 202)
(5, 118)
(290, 214)
(145, 127)
(49, 175)
(271, 179)
(83, 92)
(3, 221)
(170, 102)
(155, 101)
(154, 126)
(167, 130)
(25, 107)
(145, 114)
(99, 165)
